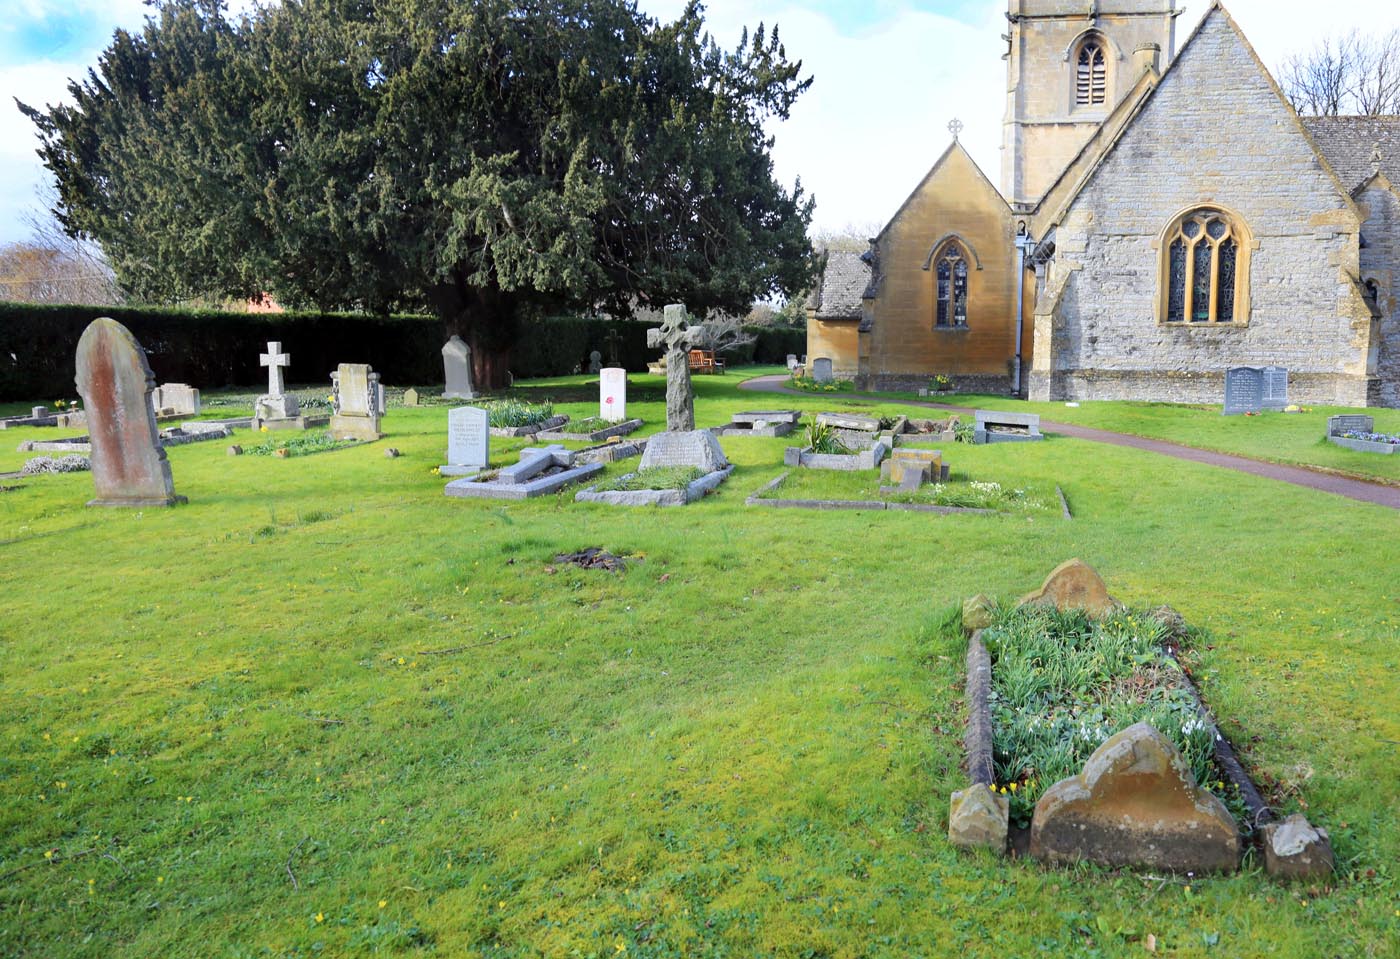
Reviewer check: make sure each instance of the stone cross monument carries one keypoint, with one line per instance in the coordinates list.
(275, 405)
(678, 336)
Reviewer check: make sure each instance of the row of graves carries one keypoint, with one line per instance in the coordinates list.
(1087, 741)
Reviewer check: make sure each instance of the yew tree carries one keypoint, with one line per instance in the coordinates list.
(492, 161)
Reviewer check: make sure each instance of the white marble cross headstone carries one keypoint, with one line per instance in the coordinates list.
(274, 359)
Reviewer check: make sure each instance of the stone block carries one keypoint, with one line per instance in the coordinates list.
(355, 428)
(1074, 585)
(925, 463)
(978, 612)
(849, 421)
(1136, 804)
(978, 819)
(1296, 849)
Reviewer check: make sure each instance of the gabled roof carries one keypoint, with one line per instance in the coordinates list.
(843, 284)
(1215, 10)
(953, 147)
(1349, 143)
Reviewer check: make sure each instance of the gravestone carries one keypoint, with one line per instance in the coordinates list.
(791, 362)
(691, 448)
(457, 370)
(355, 400)
(180, 399)
(275, 405)
(468, 441)
(613, 341)
(595, 361)
(1275, 380)
(1350, 423)
(129, 467)
(612, 394)
(410, 397)
(678, 336)
(821, 370)
(1244, 390)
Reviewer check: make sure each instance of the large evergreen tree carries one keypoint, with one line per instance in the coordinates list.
(488, 159)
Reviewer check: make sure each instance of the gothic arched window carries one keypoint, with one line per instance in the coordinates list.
(1091, 77)
(950, 272)
(1206, 269)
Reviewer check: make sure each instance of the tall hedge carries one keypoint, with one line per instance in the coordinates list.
(210, 349)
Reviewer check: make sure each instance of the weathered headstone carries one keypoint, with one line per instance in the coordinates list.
(612, 394)
(1244, 390)
(791, 361)
(275, 405)
(677, 336)
(457, 370)
(410, 397)
(1136, 804)
(821, 370)
(355, 402)
(468, 441)
(180, 399)
(979, 818)
(129, 467)
(595, 361)
(1074, 584)
(1350, 423)
(691, 448)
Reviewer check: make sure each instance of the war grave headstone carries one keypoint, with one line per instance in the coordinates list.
(612, 394)
(457, 370)
(821, 370)
(540, 471)
(1356, 432)
(129, 467)
(355, 400)
(995, 426)
(468, 441)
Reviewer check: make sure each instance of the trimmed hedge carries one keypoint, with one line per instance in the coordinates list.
(211, 349)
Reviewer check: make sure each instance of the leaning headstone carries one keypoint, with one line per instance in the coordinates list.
(1244, 390)
(678, 336)
(355, 400)
(821, 370)
(612, 394)
(1136, 804)
(457, 370)
(275, 405)
(129, 467)
(468, 441)
(595, 361)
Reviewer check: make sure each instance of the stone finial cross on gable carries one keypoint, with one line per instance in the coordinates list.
(274, 359)
(956, 128)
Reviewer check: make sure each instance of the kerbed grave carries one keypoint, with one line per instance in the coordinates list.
(541, 470)
(1359, 433)
(842, 441)
(1086, 734)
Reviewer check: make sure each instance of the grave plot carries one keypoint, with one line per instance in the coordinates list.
(919, 432)
(1359, 433)
(299, 444)
(514, 418)
(192, 432)
(766, 423)
(841, 441)
(592, 429)
(541, 470)
(995, 426)
(834, 490)
(1087, 742)
(676, 469)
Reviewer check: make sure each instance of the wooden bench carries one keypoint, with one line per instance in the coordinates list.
(703, 361)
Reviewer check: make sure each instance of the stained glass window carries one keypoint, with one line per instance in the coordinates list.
(952, 287)
(1204, 259)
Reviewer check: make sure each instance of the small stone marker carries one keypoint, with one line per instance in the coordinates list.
(468, 441)
(410, 397)
(821, 370)
(978, 612)
(274, 405)
(235, 450)
(457, 370)
(916, 466)
(1296, 849)
(391, 452)
(355, 400)
(791, 362)
(595, 361)
(612, 394)
(1074, 585)
(1136, 804)
(979, 819)
(129, 467)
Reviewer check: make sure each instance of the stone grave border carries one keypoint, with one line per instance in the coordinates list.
(986, 421)
(978, 818)
(617, 429)
(175, 436)
(868, 459)
(553, 423)
(697, 489)
(1357, 423)
(611, 452)
(757, 499)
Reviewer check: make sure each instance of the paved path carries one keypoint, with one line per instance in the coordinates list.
(1312, 479)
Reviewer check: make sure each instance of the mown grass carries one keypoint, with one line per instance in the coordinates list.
(325, 709)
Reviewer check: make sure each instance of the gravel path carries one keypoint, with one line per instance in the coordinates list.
(1355, 489)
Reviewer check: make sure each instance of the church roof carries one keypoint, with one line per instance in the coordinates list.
(1348, 143)
(842, 288)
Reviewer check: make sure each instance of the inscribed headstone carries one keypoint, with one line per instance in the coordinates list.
(457, 369)
(1244, 390)
(468, 437)
(1275, 387)
(612, 395)
(791, 361)
(821, 369)
(356, 402)
(129, 467)
(181, 398)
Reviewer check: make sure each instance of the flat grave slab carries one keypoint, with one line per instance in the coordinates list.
(765, 423)
(541, 471)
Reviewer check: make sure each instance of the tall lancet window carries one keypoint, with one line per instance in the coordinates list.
(1091, 85)
(950, 267)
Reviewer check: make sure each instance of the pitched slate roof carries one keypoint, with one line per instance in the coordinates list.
(1348, 143)
(842, 287)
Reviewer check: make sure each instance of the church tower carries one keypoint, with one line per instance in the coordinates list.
(1070, 63)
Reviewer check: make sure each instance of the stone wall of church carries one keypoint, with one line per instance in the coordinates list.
(1216, 133)
(838, 340)
(1379, 262)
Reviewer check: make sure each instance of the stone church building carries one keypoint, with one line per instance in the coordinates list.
(1164, 215)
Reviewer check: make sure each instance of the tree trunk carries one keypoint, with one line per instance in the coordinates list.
(487, 319)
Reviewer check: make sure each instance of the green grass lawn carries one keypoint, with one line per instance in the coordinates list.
(1296, 438)
(324, 709)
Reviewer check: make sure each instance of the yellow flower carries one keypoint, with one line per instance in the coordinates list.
(501, 904)
(262, 429)
(159, 880)
(383, 903)
(320, 917)
(48, 853)
(1013, 787)
(621, 947)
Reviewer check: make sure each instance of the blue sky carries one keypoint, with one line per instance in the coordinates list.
(888, 71)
